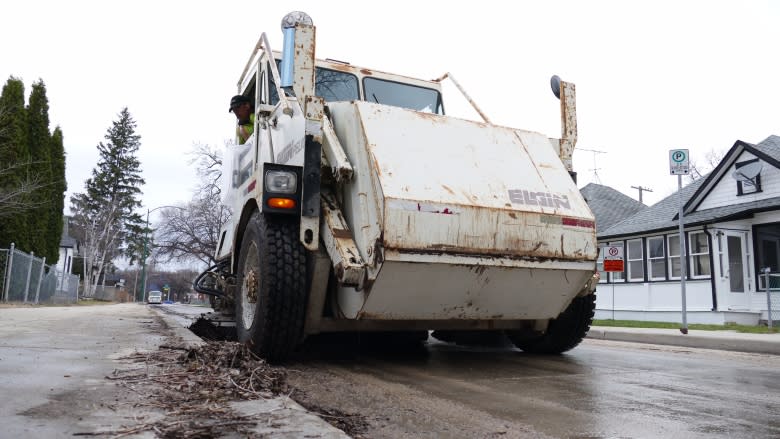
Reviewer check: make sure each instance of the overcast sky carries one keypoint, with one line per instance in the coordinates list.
(650, 76)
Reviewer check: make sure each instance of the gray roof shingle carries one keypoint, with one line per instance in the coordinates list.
(660, 215)
(609, 205)
(770, 146)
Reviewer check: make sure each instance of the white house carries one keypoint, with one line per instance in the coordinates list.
(732, 230)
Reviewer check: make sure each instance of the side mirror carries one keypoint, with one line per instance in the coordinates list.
(555, 84)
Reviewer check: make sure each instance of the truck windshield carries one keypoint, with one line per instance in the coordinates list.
(335, 86)
(408, 96)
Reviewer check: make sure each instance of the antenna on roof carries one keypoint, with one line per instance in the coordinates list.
(595, 169)
(641, 189)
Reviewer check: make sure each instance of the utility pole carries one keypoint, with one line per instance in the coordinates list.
(595, 168)
(641, 189)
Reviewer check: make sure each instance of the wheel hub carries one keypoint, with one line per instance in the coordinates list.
(250, 284)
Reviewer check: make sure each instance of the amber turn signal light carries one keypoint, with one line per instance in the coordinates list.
(281, 203)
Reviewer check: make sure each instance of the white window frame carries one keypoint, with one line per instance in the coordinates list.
(631, 277)
(692, 255)
(673, 253)
(652, 275)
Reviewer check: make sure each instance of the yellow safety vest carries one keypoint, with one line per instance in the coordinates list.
(244, 132)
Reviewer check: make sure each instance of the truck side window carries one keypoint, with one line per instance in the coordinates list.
(263, 93)
(273, 94)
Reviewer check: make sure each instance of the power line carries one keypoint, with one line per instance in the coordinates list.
(641, 189)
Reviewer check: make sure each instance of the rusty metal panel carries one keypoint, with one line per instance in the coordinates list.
(457, 186)
(444, 291)
(347, 264)
(361, 197)
(568, 123)
(334, 152)
(303, 71)
(465, 220)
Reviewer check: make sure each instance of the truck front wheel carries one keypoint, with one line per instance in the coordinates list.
(271, 284)
(563, 333)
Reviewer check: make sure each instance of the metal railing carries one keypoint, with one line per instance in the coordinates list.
(26, 278)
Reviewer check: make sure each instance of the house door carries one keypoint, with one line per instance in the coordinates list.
(737, 270)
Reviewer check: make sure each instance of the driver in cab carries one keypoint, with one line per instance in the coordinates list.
(241, 107)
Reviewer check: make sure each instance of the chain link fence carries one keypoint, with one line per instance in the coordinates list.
(26, 278)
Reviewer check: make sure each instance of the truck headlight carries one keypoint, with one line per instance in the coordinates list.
(282, 182)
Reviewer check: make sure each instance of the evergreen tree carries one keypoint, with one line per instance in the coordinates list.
(39, 141)
(15, 182)
(104, 212)
(57, 203)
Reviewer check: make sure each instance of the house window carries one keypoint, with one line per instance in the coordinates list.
(748, 177)
(674, 256)
(656, 258)
(699, 254)
(768, 253)
(636, 271)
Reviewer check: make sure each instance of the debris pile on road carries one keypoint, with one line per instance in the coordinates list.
(193, 388)
(188, 391)
(230, 370)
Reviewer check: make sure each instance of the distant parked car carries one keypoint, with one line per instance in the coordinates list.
(154, 297)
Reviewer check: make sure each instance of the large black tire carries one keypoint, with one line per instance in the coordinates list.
(271, 287)
(563, 333)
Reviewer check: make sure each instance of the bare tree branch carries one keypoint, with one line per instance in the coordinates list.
(191, 232)
(208, 161)
(699, 170)
(17, 199)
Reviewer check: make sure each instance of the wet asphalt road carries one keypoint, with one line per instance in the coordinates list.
(601, 389)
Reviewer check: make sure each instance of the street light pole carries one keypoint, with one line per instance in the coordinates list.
(143, 258)
(146, 246)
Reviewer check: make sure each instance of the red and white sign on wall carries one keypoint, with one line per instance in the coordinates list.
(613, 257)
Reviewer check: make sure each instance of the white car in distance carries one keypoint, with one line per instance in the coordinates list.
(154, 297)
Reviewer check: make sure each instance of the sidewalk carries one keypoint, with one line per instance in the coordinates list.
(57, 365)
(723, 340)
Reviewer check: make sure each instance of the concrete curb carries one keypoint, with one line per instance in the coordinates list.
(189, 339)
(721, 340)
(290, 419)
